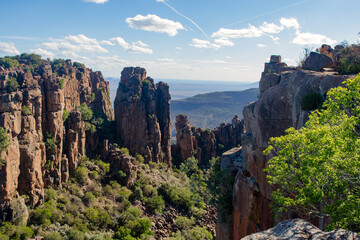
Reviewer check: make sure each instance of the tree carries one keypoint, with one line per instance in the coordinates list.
(316, 169)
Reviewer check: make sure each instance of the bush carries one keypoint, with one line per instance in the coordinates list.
(4, 139)
(312, 101)
(33, 58)
(9, 62)
(78, 65)
(62, 83)
(74, 234)
(184, 222)
(56, 64)
(86, 112)
(124, 151)
(12, 85)
(25, 110)
(347, 58)
(53, 236)
(139, 158)
(66, 114)
(51, 143)
(156, 204)
(89, 198)
(81, 175)
(90, 127)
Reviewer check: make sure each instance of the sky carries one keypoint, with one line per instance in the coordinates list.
(223, 40)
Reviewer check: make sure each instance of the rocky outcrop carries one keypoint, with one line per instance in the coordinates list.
(229, 135)
(317, 62)
(142, 113)
(278, 108)
(300, 229)
(191, 141)
(44, 149)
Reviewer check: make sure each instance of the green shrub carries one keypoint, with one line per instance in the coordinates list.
(93, 174)
(145, 83)
(181, 197)
(8, 62)
(66, 114)
(89, 198)
(51, 143)
(86, 112)
(184, 222)
(4, 237)
(81, 175)
(78, 65)
(62, 83)
(130, 214)
(4, 139)
(124, 151)
(196, 233)
(139, 158)
(33, 58)
(74, 234)
(52, 236)
(140, 228)
(56, 64)
(156, 204)
(90, 127)
(347, 58)
(312, 101)
(25, 110)
(50, 194)
(12, 85)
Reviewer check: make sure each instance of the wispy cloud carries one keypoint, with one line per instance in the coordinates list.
(20, 38)
(96, 1)
(154, 23)
(261, 45)
(74, 43)
(134, 47)
(312, 39)
(8, 49)
(198, 43)
(44, 53)
(290, 23)
(187, 18)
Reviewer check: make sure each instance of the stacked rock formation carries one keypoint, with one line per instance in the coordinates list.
(191, 141)
(142, 113)
(229, 135)
(32, 114)
(278, 108)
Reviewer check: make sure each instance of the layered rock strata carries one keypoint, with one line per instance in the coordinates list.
(142, 113)
(44, 150)
(278, 108)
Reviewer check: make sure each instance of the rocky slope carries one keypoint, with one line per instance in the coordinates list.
(282, 89)
(43, 149)
(142, 112)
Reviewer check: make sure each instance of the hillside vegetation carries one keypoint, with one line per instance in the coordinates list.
(210, 109)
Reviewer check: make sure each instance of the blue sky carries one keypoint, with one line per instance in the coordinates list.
(226, 40)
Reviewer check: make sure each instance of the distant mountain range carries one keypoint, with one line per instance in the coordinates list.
(180, 89)
(210, 109)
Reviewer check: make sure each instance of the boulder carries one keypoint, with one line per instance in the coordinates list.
(300, 229)
(317, 62)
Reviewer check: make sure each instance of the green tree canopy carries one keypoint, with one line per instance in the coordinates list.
(316, 170)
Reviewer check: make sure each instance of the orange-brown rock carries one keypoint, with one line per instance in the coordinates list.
(191, 141)
(278, 108)
(32, 114)
(142, 113)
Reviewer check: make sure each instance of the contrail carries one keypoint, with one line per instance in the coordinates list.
(189, 19)
(267, 13)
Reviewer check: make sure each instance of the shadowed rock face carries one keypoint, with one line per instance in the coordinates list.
(142, 113)
(33, 113)
(278, 108)
(300, 229)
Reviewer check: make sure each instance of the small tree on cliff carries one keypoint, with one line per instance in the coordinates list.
(4, 143)
(316, 170)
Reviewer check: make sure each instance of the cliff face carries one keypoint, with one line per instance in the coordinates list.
(142, 113)
(278, 108)
(44, 149)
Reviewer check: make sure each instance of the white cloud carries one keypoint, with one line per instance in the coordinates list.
(166, 60)
(260, 45)
(120, 41)
(154, 23)
(8, 48)
(96, 1)
(224, 42)
(178, 48)
(203, 44)
(75, 43)
(290, 23)
(107, 42)
(249, 32)
(275, 39)
(44, 53)
(312, 38)
(270, 28)
(134, 47)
